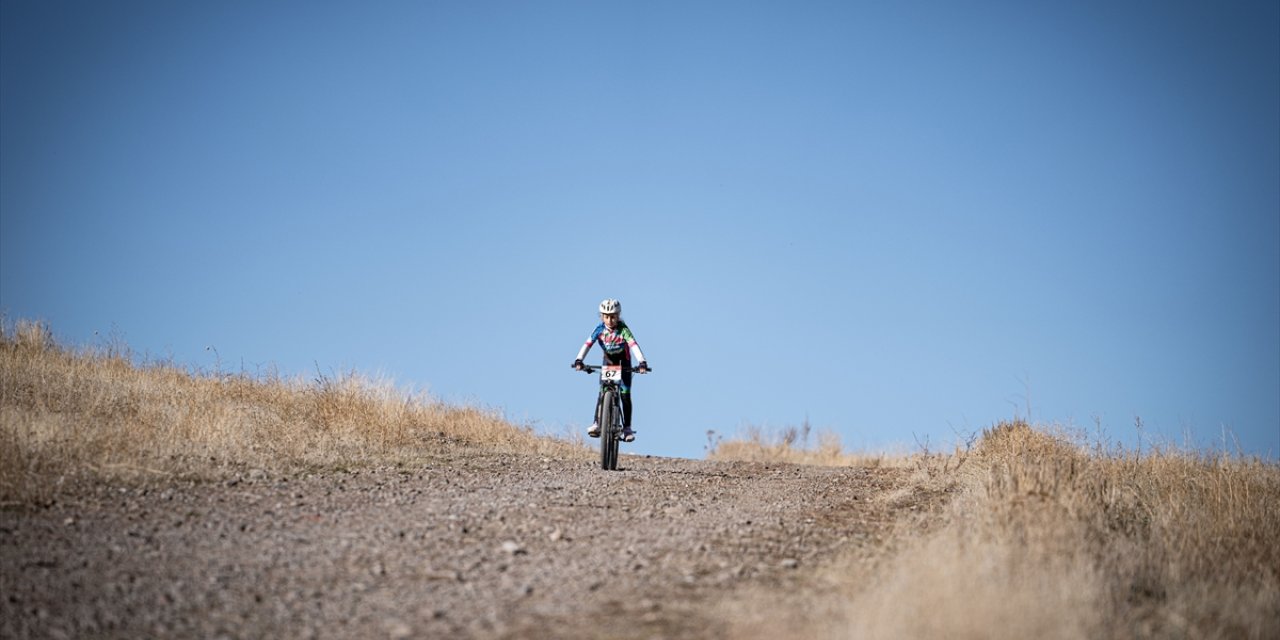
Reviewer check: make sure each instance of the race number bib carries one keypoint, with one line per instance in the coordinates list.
(611, 373)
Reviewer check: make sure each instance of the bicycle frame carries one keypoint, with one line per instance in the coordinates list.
(609, 411)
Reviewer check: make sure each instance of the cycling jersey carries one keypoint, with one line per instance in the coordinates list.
(617, 344)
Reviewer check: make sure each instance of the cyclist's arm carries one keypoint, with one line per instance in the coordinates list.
(582, 353)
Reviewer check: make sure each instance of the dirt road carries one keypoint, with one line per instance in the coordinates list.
(476, 545)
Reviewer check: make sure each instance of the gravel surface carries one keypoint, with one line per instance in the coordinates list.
(473, 545)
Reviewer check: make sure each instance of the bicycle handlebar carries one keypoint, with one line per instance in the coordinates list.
(592, 368)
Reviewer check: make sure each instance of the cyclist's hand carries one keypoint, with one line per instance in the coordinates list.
(577, 364)
(643, 368)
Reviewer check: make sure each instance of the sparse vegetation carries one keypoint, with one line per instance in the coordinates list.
(1050, 536)
(796, 445)
(67, 414)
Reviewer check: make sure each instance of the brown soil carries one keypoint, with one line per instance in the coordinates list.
(477, 545)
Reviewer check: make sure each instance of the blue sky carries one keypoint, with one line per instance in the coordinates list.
(901, 220)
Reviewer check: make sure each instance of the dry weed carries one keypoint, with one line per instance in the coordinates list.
(65, 414)
(793, 445)
(1052, 538)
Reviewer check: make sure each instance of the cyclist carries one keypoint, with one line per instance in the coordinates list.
(617, 342)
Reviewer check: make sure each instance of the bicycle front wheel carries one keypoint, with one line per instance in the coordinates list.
(608, 438)
(608, 432)
(613, 449)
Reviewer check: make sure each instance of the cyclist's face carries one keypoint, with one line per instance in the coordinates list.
(610, 319)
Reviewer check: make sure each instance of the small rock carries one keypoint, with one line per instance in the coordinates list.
(397, 629)
(512, 547)
(789, 563)
(556, 535)
(69, 521)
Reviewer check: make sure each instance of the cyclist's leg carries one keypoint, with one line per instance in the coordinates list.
(594, 429)
(626, 400)
(599, 401)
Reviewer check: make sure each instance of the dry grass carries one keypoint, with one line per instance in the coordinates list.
(67, 414)
(1052, 537)
(794, 445)
(1169, 543)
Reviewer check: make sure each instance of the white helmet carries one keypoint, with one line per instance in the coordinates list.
(610, 306)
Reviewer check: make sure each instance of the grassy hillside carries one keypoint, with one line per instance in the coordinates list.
(1052, 537)
(66, 414)
(1047, 535)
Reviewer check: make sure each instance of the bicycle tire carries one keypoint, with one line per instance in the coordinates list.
(616, 440)
(613, 450)
(608, 435)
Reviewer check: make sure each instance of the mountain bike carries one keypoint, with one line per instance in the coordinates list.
(609, 413)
